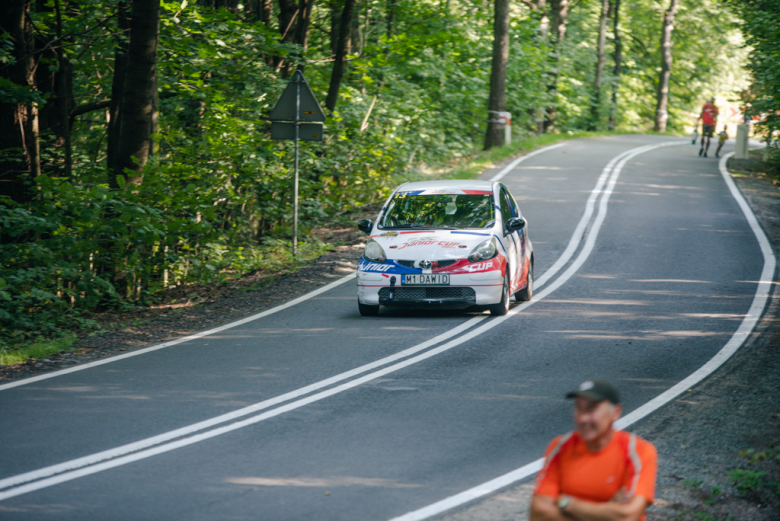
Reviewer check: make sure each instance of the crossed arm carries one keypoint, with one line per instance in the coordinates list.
(619, 508)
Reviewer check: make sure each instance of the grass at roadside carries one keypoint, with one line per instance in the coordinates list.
(12, 355)
(274, 256)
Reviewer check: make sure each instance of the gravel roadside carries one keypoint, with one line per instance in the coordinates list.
(699, 436)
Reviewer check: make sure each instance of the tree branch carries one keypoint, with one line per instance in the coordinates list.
(78, 110)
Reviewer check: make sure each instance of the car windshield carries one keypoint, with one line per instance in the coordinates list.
(408, 210)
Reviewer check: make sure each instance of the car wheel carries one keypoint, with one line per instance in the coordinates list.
(527, 293)
(367, 310)
(502, 307)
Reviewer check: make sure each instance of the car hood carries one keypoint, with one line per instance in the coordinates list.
(430, 244)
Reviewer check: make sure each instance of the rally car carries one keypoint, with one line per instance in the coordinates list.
(446, 245)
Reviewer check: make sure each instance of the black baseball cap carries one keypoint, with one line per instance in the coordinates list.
(596, 390)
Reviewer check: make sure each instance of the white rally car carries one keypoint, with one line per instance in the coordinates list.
(446, 245)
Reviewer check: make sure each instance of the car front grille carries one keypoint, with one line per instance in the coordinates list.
(440, 264)
(434, 293)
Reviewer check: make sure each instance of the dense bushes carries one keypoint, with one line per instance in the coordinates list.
(215, 200)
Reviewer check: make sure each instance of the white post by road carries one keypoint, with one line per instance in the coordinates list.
(505, 118)
(743, 131)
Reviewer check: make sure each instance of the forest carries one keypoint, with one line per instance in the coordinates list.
(135, 147)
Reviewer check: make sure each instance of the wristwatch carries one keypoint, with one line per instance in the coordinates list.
(564, 502)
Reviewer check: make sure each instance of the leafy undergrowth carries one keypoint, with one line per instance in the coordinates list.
(55, 322)
(37, 349)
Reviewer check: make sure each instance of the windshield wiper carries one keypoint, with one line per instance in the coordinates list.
(490, 223)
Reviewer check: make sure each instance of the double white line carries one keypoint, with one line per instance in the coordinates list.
(79, 467)
(735, 342)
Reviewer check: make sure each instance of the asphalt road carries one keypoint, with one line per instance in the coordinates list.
(671, 273)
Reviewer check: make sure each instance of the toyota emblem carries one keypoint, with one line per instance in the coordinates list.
(426, 264)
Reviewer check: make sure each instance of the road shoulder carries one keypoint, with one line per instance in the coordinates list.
(712, 432)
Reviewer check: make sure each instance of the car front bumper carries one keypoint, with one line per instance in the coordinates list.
(479, 289)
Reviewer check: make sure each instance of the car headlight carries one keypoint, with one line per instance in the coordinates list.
(484, 250)
(374, 252)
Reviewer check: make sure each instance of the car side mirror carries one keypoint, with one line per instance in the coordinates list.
(515, 223)
(365, 226)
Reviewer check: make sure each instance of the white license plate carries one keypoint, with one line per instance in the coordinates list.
(437, 280)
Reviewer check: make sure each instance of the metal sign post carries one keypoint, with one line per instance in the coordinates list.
(289, 118)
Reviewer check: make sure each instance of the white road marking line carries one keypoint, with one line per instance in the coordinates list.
(212, 422)
(91, 464)
(181, 340)
(737, 339)
(520, 159)
(276, 309)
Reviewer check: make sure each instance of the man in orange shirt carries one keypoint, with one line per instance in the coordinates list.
(708, 117)
(595, 472)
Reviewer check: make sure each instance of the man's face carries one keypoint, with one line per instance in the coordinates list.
(594, 419)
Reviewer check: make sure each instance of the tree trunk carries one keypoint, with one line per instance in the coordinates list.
(560, 13)
(618, 57)
(289, 16)
(19, 116)
(356, 35)
(494, 136)
(302, 27)
(390, 14)
(117, 91)
(345, 22)
(595, 102)
(137, 109)
(661, 114)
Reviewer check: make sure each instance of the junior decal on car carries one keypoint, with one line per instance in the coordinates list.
(429, 241)
(372, 266)
(446, 244)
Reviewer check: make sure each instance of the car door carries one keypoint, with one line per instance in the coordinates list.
(510, 240)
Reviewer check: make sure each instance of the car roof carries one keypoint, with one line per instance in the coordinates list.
(456, 184)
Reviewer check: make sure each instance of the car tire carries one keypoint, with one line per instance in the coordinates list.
(527, 293)
(501, 309)
(367, 310)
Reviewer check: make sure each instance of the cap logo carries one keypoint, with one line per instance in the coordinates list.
(585, 386)
(426, 264)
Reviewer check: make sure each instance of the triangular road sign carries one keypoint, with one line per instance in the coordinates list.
(286, 106)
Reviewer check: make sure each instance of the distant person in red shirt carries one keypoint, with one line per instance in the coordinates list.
(595, 472)
(709, 118)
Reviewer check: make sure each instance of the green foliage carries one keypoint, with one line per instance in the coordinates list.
(761, 25)
(747, 480)
(215, 200)
(39, 348)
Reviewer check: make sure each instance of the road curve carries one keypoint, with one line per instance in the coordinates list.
(671, 273)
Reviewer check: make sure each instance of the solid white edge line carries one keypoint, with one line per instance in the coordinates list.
(121, 455)
(251, 318)
(520, 159)
(93, 461)
(181, 340)
(736, 341)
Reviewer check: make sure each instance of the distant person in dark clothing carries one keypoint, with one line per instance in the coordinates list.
(709, 118)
